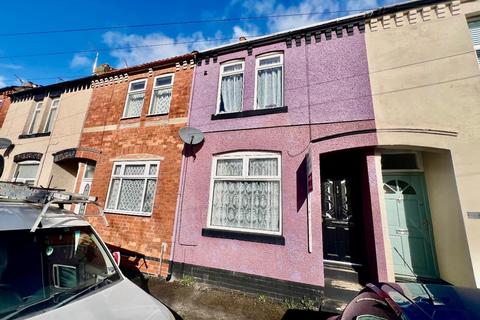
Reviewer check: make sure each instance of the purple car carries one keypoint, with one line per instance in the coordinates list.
(413, 301)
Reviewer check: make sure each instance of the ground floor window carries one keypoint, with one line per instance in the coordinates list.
(132, 187)
(26, 172)
(245, 192)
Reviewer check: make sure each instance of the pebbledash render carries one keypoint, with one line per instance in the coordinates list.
(133, 155)
(279, 112)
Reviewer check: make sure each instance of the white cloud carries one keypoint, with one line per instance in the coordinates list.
(362, 4)
(248, 30)
(10, 66)
(325, 8)
(3, 82)
(80, 60)
(154, 46)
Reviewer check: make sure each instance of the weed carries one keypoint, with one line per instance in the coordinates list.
(308, 304)
(289, 303)
(187, 281)
(262, 298)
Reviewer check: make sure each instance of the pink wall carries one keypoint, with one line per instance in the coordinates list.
(337, 90)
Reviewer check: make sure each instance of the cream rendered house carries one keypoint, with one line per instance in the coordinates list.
(41, 134)
(425, 82)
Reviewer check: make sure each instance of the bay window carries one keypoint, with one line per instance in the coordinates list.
(132, 187)
(269, 81)
(230, 93)
(135, 98)
(245, 192)
(162, 95)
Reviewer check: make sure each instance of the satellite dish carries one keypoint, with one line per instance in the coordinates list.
(191, 135)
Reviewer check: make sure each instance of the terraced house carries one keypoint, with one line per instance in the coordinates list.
(130, 138)
(40, 125)
(336, 154)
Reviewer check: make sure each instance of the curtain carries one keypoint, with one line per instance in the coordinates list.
(253, 205)
(229, 167)
(231, 93)
(269, 88)
(161, 101)
(134, 104)
(27, 171)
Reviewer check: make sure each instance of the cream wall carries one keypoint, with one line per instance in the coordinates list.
(65, 133)
(425, 86)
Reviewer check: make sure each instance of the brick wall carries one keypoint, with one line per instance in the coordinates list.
(4, 104)
(139, 138)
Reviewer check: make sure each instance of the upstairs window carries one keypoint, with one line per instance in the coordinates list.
(245, 193)
(26, 172)
(135, 98)
(162, 95)
(269, 81)
(230, 95)
(52, 115)
(132, 187)
(474, 27)
(35, 117)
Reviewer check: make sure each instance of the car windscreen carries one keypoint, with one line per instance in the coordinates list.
(50, 268)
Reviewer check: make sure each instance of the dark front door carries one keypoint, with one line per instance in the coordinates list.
(338, 221)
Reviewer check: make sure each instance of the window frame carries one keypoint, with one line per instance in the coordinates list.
(245, 156)
(222, 73)
(36, 111)
(476, 48)
(22, 179)
(258, 68)
(155, 87)
(122, 176)
(130, 91)
(418, 160)
(50, 113)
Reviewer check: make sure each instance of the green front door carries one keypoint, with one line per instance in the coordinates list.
(409, 225)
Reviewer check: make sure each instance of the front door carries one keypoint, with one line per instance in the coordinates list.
(409, 225)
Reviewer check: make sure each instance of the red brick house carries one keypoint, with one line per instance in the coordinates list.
(133, 156)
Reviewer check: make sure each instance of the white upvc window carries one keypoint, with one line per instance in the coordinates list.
(35, 117)
(52, 115)
(269, 81)
(245, 193)
(230, 89)
(135, 99)
(474, 27)
(162, 94)
(132, 187)
(26, 172)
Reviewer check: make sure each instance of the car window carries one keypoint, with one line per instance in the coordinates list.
(57, 263)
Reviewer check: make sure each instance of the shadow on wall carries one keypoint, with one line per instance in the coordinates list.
(190, 150)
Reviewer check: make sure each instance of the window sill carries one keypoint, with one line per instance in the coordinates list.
(157, 115)
(129, 118)
(33, 135)
(128, 213)
(244, 236)
(249, 113)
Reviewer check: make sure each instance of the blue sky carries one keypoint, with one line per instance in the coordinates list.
(169, 40)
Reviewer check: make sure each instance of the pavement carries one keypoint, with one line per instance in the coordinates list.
(190, 300)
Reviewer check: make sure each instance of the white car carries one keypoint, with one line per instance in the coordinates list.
(53, 265)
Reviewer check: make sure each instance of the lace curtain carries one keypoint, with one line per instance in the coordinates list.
(231, 93)
(269, 88)
(161, 101)
(246, 204)
(134, 105)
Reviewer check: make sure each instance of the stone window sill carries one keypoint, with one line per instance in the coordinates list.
(244, 236)
(249, 113)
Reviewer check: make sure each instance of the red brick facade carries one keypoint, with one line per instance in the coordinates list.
(143, 241)
(4, 104)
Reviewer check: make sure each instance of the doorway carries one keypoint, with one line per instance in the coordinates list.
(409, 225)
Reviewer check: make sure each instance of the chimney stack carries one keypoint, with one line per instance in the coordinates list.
(242, 39)
(103, 68)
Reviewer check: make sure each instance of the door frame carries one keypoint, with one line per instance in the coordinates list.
(419, 173)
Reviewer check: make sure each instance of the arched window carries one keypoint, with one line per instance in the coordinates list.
(245, 192)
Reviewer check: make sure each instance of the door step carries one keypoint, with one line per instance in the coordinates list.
(342, 284)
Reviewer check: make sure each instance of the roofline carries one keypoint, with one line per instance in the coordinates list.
(149, 65)
(51, 87)
(329, 24)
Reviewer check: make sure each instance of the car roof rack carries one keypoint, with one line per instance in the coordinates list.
(17, 191)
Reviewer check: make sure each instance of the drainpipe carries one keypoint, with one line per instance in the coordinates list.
(177, 225)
